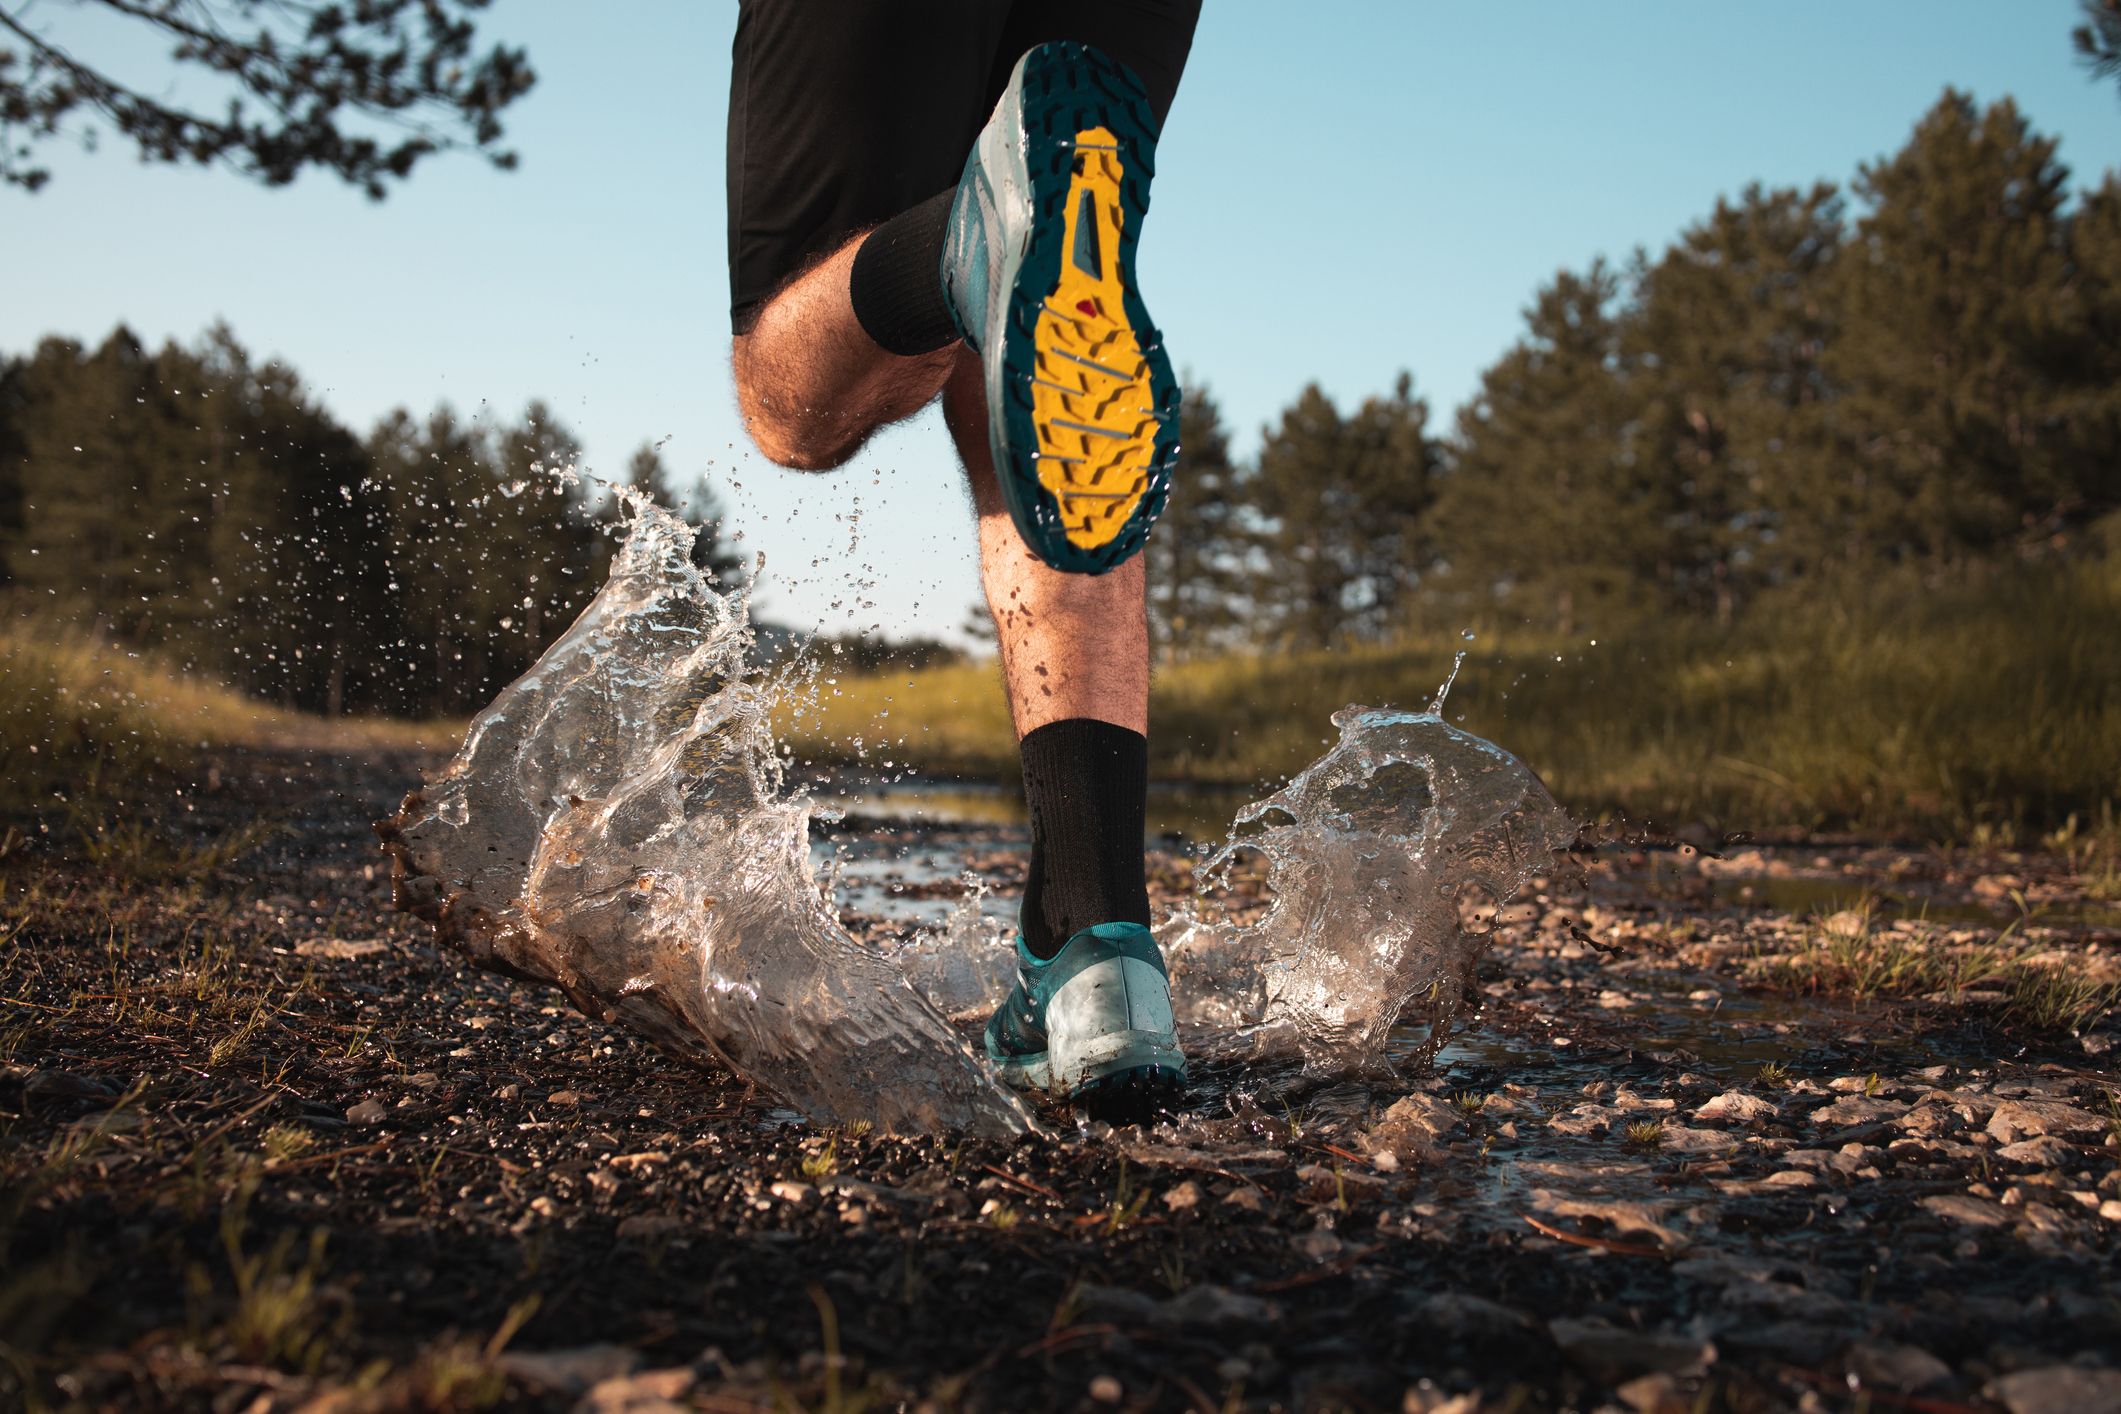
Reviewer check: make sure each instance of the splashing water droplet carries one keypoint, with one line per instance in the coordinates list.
(617, 824)
(617, 814)
(1382, 856)
(1436, 703)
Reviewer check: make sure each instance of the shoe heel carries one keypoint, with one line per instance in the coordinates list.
(1111, 1018)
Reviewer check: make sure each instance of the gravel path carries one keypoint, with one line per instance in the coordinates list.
(266, 1147)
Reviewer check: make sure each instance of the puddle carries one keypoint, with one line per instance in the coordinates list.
(1184, 812)
(919, 884)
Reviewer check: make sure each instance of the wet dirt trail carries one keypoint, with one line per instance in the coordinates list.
(267, 1147)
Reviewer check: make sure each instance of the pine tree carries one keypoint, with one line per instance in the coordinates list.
(1201, 559)
(1344, 499)
(1551, 509)
(14, 412)
(2092, 396)
(2098, 39)
(1952, 308)
(1722, 343)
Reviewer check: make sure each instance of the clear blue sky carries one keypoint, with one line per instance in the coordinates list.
(1344, 190)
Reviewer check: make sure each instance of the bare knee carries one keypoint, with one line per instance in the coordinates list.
(792, 436)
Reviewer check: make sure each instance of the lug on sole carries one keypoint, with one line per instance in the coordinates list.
(1135, 1093)
(1128, 1086)
(1092, 408)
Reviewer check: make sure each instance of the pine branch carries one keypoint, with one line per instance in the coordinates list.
(311, 83)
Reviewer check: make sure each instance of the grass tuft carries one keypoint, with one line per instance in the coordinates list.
(1644, 1135)
(1848, 955)
(142, 851)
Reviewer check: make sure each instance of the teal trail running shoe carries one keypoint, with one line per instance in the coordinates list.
(1094, 1023)
(1082, 410)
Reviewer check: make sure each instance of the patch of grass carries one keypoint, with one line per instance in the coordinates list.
(1848, 956)
(1877, 710)
(457, 1374)
(2059, 999)
(1772, 1075)
(824, 1163)
(949, 717)
(279, 1311)
(287, 1141)
(84, 719)
(1644, 1135)
(226, 1047)
(1127, 1202)
(2092, 845)
(143, 851)
(833, 1397)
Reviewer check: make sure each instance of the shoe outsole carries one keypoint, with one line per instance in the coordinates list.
(1132, 1095)
(1088, 433)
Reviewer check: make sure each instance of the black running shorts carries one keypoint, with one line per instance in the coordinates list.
(843, 113)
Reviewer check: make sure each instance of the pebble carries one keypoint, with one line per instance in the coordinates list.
(341, 948)
(1420, 1117)
(1463, 1314)
(1207, 1305)
(1425, 1398)
(1613, 1354)
(650, 1392)
(2046, 1152)
(1901, 1368)
(366, 1112)
(1107, 1390)
(1964, 1208)
(64, 1085)
(572, 1371)
(1858, 1109)
(2028, 1119)
(1678, 1139)
(1737, 1106)
(1183, 1198)
(2059, 1389)
(1319, 1245)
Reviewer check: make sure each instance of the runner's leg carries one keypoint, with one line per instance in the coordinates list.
(843, 114)
(1075, 666)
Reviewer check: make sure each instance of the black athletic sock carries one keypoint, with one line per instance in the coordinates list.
(1087, 784)
(897, 281)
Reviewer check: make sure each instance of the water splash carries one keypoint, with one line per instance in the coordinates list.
(617, 824)
(1387, 859)
(1443, 691)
